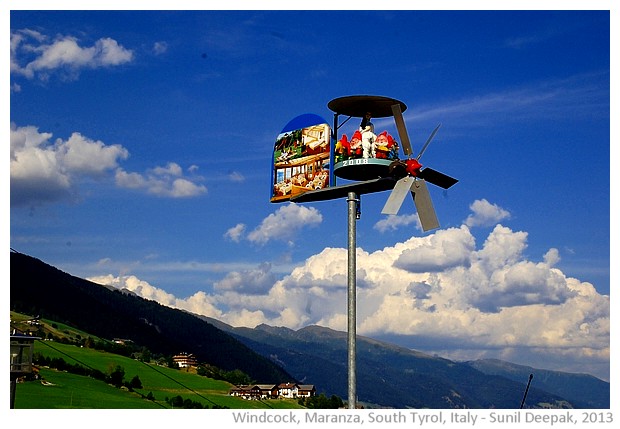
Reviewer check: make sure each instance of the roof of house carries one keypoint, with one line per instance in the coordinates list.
(287, 385)
(266, 386)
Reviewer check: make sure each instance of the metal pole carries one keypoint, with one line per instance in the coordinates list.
(526, 390)
(13, 387)
(353, 202)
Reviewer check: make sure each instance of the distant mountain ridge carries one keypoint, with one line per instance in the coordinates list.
(395, 376)
(388, 375)
(583, 390)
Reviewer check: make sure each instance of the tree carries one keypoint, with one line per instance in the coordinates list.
(116, 376)
(135, 383)
(171, 363)
(237, 377)
(89, 343)
(145, 355)
(176, 401)
(322, 402)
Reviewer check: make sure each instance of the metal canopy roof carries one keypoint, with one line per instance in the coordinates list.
(358, 105)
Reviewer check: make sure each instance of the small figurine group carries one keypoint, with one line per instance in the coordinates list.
(366, 144)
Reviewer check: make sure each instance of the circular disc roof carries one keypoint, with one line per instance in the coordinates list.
(358, 105)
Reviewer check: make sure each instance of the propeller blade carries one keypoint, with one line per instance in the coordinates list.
(402, 129)
(428, 141)
(424, 205)
(397, 196)
(437, 178)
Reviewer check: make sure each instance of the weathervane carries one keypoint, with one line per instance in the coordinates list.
(308, 156)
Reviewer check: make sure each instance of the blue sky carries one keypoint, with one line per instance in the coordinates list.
(141, 145)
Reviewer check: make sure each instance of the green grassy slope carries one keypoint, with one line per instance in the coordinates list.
(59, 389)
(73, 391)
(64, 390)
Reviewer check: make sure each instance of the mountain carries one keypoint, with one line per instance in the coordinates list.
(583, 390)
(393, 376)
(40, 289)
(387, 375)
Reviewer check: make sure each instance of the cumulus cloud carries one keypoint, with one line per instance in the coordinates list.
(167, 181)
(485, 214)
(85, 156)
(284, 224)
(253, 282)
(45, 171)
(438, 252)
(236, 232)
(199, 303)
(34, 55)
(393, 222)
(552, 257)
(461, 299)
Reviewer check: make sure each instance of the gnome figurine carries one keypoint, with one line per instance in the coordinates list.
(356, 144)
(384, 145)
(343, 149)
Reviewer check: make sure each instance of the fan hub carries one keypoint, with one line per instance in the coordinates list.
(413, 167)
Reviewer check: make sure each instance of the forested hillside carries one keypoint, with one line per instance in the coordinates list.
(40, 289)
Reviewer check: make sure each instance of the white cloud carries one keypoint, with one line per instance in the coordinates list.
(236, 232)
(485, 214)
(552, 257)
(33, 56)
(255, 281)
(438, 252)
(284, 224)
(42, 171)
(467, 302)
(199, 303)
(393, 222)
(182, 188)
(84, 156)
(502, 248)
(171, 170)
(168, 181)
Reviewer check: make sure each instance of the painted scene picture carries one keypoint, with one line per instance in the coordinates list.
(301, 157)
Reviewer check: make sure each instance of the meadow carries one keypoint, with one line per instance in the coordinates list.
(60, 389)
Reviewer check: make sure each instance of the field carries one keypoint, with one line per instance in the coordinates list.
(73, 391)
(58, 389)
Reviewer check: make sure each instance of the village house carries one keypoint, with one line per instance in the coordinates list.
(185, 360)
(34, 322)
(306, 390)
(294, 390)
(255, 391)
(288, 390)
(274, 391)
